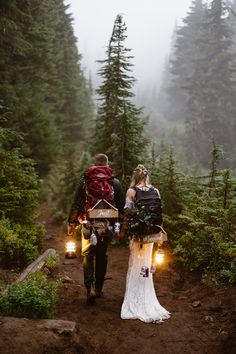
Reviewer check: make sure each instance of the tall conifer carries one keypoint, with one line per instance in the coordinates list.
(182, 58)
(119, 126)
(211, 88)
(41, 80)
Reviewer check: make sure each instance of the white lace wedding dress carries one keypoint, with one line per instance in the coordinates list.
(140, 300)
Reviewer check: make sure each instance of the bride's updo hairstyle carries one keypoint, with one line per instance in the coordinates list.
(140, 174)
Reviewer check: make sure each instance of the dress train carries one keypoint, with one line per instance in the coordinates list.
(140, 301)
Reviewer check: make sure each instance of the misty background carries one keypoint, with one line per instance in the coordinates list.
(150, 25)
(184, 56)
(166, 39)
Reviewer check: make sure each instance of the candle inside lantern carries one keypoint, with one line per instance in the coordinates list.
(159, 257)
(70, 249)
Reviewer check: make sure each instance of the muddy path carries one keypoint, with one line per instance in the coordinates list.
(202, 318)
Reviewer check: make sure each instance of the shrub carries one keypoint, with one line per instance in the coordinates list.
(20, 244)
(19, 187)
(52, 261)
(213, 254)
(34, 298)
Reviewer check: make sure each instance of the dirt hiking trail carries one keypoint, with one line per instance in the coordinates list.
(202, 317)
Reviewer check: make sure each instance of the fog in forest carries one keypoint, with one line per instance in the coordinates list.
(167, 42)
(150, 26)
(178, 120)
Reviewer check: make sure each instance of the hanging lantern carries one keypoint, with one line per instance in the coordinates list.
(70, 248)
(159, 257)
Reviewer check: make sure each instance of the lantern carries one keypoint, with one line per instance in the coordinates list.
(159, 257)
(70, 248)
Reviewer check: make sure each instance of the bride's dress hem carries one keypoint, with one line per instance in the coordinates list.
(140, 301)
(150, 320)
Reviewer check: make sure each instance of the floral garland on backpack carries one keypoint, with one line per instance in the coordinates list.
(139, 223)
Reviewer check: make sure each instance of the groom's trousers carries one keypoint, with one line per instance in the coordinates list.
(95, 262)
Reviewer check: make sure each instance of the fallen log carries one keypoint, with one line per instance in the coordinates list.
(37, 264)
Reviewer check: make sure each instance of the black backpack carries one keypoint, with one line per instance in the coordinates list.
(149, 210)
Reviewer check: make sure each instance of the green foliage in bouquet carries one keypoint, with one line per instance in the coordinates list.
(139, 223)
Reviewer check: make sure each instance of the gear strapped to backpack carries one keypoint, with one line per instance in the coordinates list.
(101, 212)
(146, 216)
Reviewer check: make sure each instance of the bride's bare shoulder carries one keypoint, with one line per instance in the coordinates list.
(130, 193)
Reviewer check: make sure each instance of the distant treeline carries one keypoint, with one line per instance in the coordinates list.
(197, 99)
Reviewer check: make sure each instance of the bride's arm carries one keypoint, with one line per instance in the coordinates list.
(130, 197)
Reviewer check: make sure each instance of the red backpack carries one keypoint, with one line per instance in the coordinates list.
(99, 184)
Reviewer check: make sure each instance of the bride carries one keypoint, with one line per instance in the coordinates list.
(140, 301)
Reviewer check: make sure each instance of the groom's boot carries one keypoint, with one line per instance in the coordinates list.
(91, 296)
(98, 292)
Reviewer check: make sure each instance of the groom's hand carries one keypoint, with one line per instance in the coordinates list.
(70, 229)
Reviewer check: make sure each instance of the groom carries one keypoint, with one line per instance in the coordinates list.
(94, 253)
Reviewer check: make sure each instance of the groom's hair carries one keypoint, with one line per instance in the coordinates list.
(100, 160)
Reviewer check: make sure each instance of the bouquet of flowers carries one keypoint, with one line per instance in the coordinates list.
(140, 223)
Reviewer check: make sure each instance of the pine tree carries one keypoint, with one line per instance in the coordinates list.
(183, 55)
(73, 98)
(216, 155)
(119, 126)
(41, 78)
(173, 187)
(164, 96)
(231, 8)
(208, 224)
(211, 88)
(22, 80)
(20, 237)
(165, 176)
(62, 181)
(19, 182)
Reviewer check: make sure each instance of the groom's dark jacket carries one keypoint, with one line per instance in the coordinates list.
(79, 200)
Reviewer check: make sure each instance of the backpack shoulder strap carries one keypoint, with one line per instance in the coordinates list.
(156, 191)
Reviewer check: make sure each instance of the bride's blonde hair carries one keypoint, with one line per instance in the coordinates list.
(140, 173)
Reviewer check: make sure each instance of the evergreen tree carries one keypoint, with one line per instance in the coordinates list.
(22, 79)
(216, 155)
(207, 223)
(173, 187)
(211, 88)
(119, 126)
(166, 177)
(164, 98)
(232, 24)
(182, 57)
(19, 182)
(61, 183)
(20, 238)
(41, 79)
(231, 8)
(73, 99)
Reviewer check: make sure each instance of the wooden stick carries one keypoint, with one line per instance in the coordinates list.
(37, 264)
